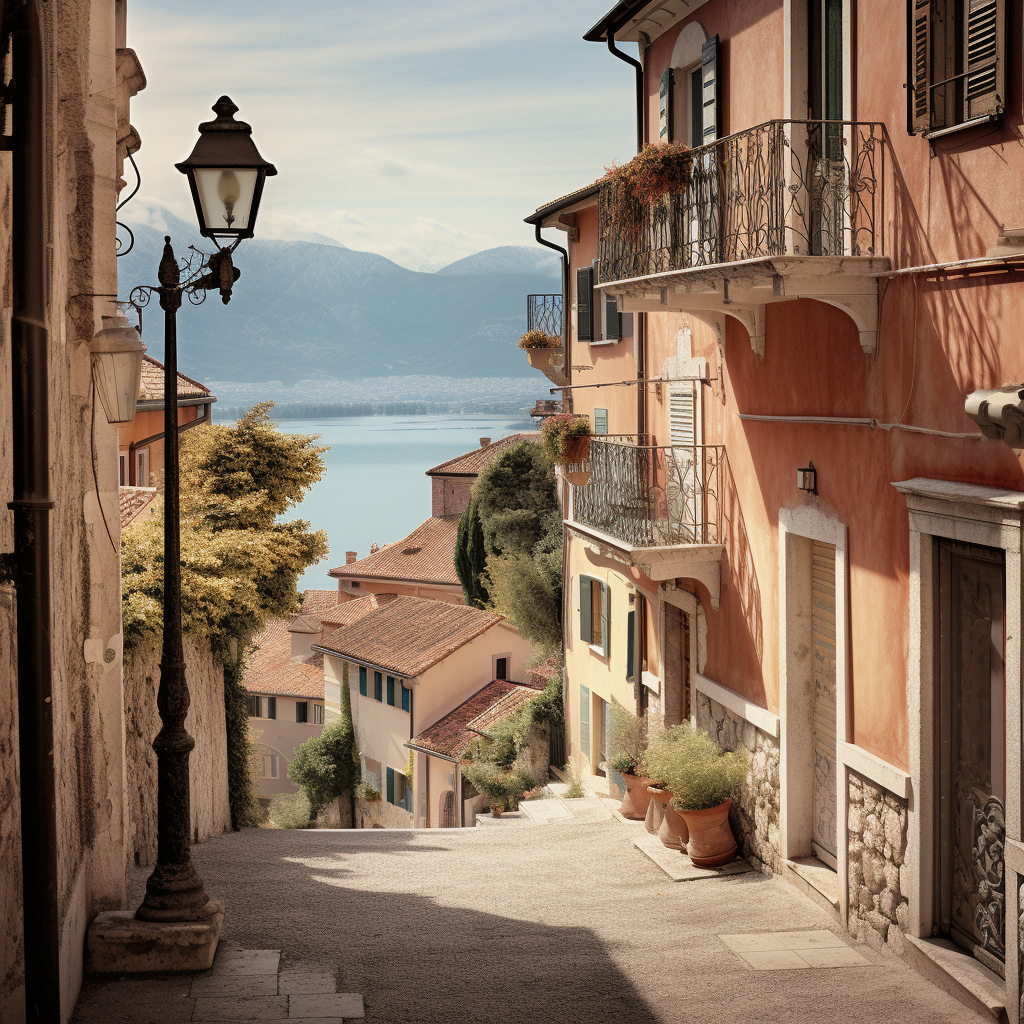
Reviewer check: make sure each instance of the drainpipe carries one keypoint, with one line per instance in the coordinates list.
(565, 304)
(639, 84)
(31, 504)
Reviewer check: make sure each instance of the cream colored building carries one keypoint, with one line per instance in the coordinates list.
(407, 665)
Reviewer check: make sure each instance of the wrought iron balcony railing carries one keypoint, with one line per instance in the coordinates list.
(652, 496)
(544, 313)
(782, 188)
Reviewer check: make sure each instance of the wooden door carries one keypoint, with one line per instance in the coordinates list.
(972, 749)
(823, 662)
(676, 670)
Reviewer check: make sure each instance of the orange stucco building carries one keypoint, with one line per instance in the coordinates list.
(795, 535)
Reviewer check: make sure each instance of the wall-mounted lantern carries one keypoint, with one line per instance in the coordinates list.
(807, 479)
(116, 352)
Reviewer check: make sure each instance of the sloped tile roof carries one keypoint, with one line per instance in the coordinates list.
(509, 704)
(347, 612)
(410, 634)
(152, 389)
(472, 462)
(451, 735)
(271, 670)
(427, 555)
(316, 601)
(132, 502)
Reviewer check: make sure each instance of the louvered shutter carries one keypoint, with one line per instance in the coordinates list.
(585, 720)
(362, 681)
(606, 607)
(919, 62)
(391, 690)
(391, 785)
(665, 117)
(984, 58)
(709, 89)
(611, 320)
(682, 416)
(600, 421)
(625, 325)
(272, 707)
(584, 304)
(586, 630)
(631, 646)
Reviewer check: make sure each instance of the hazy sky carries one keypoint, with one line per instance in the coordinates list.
(424, 131)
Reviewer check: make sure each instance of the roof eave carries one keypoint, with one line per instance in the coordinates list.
(560, 205)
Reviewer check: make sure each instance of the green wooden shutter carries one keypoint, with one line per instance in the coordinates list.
(362, 680)
(586, 631)
(391, 785)
(378, 686)
(391, 690)
(631, 646)
(709, 83)
(611, 320)
(984, 58)
(584, 304)
(600, 421)
(585, 720)
(406, 693)
(606, 608)
(665, 107)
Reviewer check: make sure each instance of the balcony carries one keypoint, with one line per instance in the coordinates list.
(545, 313)
(658, 505)
(784, 210)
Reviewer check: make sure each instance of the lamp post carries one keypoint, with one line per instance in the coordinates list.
(226, 175)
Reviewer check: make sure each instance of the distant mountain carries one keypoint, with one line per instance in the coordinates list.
(303, 310)
(507, 259)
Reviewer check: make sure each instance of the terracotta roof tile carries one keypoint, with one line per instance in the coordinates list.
(427, 555)
(270, 669)
(507, 705)
(316, 601)
(472, 462)
(133, 501)
(410, 634)
(451, 735)
(347, 612)
(152, 389)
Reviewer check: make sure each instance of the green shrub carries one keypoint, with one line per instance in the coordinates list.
(497, 784)
(628, 740)
(364, 791)
(290, 810)
(326, 766)
(690, 763)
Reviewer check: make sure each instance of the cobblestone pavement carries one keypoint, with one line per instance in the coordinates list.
(563, 922)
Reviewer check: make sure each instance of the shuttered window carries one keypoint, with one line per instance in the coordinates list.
(406, 698)
(665, 115)
(391, 690)
(584, 303)
(956, 63)
(585, 720)
(586, 618)
(302, 711)
(709, 90)
(595, 615)
(611, 320)
(378, 686)
(362, 680)
(631, 646)
(391, 785)
(682, 410)
(600, 421)
(606, 605)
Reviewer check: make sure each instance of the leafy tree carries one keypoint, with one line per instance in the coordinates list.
(471, 557)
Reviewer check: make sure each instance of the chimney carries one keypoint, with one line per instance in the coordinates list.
(484, 442)
(303, 635)
(350, 557)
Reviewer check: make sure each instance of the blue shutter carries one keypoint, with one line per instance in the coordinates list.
(391, 785)
(378, 686)
(586, 634)
(585, 720)
(630, 646)
(606, 610)
(362, 680)
(584, 304)
(600, 421)
(405, 697)
(391, 690)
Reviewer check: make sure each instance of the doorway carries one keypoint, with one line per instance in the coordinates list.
(825, 103)
(823, 713)
(676, 708)
(971, 734)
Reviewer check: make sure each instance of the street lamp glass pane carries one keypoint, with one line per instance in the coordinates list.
(225, 194)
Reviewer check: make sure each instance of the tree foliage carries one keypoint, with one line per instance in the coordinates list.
(471, 557)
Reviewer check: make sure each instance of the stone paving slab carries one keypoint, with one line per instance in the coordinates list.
(678, 866)
(790, 951)
(246, 963)
(305, 982)
(229, 1010)
(337, 1004)
(234, 985)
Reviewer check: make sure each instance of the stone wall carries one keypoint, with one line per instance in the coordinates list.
(877, 825)
(755, 811)
(208, 765)
(381, 814)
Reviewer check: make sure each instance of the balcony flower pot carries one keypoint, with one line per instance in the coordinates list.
(635, 803)
(655, 816)
(711, 842)
(673, 832)
(576, 451)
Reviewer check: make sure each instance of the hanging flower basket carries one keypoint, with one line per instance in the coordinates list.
(539, 340)
(659, 169)
(566, 438)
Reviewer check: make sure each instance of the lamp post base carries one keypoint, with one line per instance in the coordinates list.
(174, 892)
(119, 943)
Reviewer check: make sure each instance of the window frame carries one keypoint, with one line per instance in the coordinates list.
(391, 691)
(302, 717)
(318, 714)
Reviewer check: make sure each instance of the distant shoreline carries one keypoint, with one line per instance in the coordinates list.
(330, 410)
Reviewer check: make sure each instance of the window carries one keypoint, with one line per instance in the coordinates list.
(391, 785)
(391, 690)
(271, 766)
(371, 772)
(406, 698)
(354, 584)
(122, 469)
(956, 64)
(318, 714)
(598, 319)
(378, 686)
(262, 707)
(600, 421)
(362, 680)
(302, 711)
(142, 467)
(501, 668)
(595, 608)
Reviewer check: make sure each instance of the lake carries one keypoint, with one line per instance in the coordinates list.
(375, 490)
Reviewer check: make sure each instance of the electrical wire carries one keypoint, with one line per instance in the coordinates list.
(95, 477)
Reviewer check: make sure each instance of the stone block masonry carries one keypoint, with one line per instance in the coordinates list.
(755, 811)
(877, 827)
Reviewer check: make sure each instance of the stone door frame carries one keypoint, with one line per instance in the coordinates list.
(991, 517)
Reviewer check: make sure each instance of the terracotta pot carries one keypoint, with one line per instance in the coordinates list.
(575, 449)
(673, 832)
(635, 802)
(655, 816)
(578, 477)
(711, 840)
(496, 810)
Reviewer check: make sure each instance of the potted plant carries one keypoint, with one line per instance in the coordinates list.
(566, 439)
(366, 792)
(703, 778)
(502, 788)
(628, 742)
(659, 763)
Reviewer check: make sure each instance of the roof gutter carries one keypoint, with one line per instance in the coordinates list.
(432, 753)
(613, 49)
(320, 649)
(565, 287)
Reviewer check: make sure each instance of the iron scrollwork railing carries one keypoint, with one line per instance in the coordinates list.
(544, 313)
(782, 188)
(649, 496)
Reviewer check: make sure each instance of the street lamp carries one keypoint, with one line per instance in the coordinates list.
(117, 352)
(226, 174)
